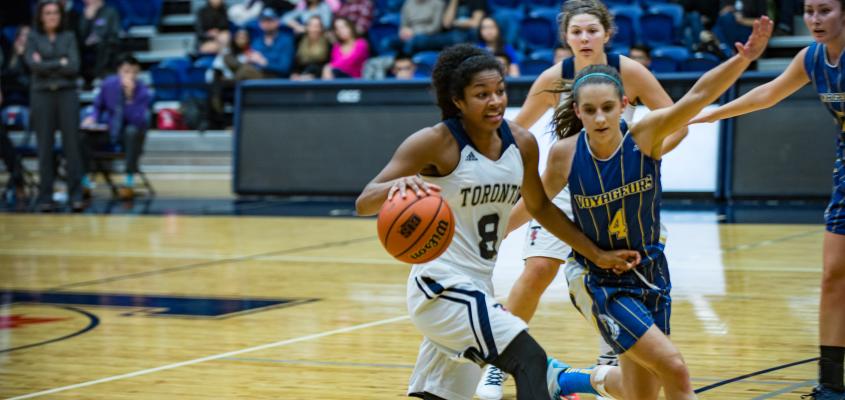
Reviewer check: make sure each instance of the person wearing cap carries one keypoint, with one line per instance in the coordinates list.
(273, 53)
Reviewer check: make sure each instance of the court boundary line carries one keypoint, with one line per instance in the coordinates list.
(212, 357)
(752, 374)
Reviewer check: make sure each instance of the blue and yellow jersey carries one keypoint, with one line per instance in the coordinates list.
(616, 203)
(829, 82)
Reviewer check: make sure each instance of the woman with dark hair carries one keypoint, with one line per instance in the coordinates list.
(451, 299)
(490, 38)
(52, 56)
(349, 52)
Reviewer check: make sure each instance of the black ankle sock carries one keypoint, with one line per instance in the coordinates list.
(830, 367)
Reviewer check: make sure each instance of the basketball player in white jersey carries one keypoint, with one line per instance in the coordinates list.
(479, 163)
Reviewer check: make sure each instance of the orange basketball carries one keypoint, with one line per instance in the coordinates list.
(415, 229)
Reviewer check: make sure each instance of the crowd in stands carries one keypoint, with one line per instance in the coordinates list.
(238, 40)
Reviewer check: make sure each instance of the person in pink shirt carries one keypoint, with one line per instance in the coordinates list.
(349, 52)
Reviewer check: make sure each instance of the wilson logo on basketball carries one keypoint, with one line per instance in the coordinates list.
(434, 241)
(410, 225)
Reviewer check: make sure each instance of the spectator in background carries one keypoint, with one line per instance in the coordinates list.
(506, 61)
(561, 53)
(15, 185)
(421, 26)
(273, 53)
(312, 53)
(359, 12)
(212, 27)
(242, 13)
(641, 54)
(349, 52)
(463, 18)
(15, 72)
(281, 7)
(297, 19)
(403, 67)
(53, 58)
(235, 63)
(490, 39)
(123, 104)
(98, 33)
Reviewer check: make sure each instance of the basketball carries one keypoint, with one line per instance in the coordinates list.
(415, 229)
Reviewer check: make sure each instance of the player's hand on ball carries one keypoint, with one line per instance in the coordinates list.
(413, 182)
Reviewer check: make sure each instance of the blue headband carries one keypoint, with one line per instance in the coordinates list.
(611, 77)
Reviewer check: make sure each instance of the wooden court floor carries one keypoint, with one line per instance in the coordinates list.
(181, 307)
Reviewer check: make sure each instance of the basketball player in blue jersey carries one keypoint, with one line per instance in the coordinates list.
(614, 178)
(822, 64)
(586, 26)
(473, 151)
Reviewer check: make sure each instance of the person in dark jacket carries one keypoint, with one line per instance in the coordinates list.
(122, 105)
(98, 34)
(212, 27)
(52, 56)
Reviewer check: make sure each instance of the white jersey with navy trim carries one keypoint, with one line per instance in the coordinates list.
(450, 299)
(481, 193)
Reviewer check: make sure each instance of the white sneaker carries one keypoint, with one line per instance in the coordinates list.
(490, 386)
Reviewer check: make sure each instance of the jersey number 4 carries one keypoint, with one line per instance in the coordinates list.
(488, 231)
(618, 227)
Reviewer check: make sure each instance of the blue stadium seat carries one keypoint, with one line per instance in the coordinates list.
(700, 62)
(538, 33)
(387, 6)
(204, 61)
(537, 62)
(627, 19)
(496, 5)
(138, 12)
(195, 85)
(619, 49)
(167, 83)
(676, 11)
(382, 35)
(178, 64)
(612, 3)
(391, 18)
(9, 33)
(533, 4)
(668, 58)
(508, 20)
(657, 30)
(425, 62)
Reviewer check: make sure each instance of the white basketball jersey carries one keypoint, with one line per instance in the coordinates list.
(481, 193)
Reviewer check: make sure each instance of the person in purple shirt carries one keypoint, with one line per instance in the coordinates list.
(122, 108)
(273, 49)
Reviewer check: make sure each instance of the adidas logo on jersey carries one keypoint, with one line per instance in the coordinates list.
(471, 157)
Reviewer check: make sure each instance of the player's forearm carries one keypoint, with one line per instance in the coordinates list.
(372, 197)
(757, 99)
(717, 81)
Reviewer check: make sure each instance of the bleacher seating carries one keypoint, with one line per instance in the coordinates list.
(627, 18)
(424, 61)
(668, 58)
(657, 29)
(538, 32)
(700, 62)
(138, 12)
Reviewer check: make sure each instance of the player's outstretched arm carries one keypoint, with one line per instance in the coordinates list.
(655, 126)
(417, 152)
(763, 96)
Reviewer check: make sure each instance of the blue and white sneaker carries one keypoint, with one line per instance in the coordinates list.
(553, 370)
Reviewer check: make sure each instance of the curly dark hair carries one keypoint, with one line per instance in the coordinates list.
(564, 121)
(454, 70)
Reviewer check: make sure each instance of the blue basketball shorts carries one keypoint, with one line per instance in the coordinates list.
(623, 311)
(834, 215)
